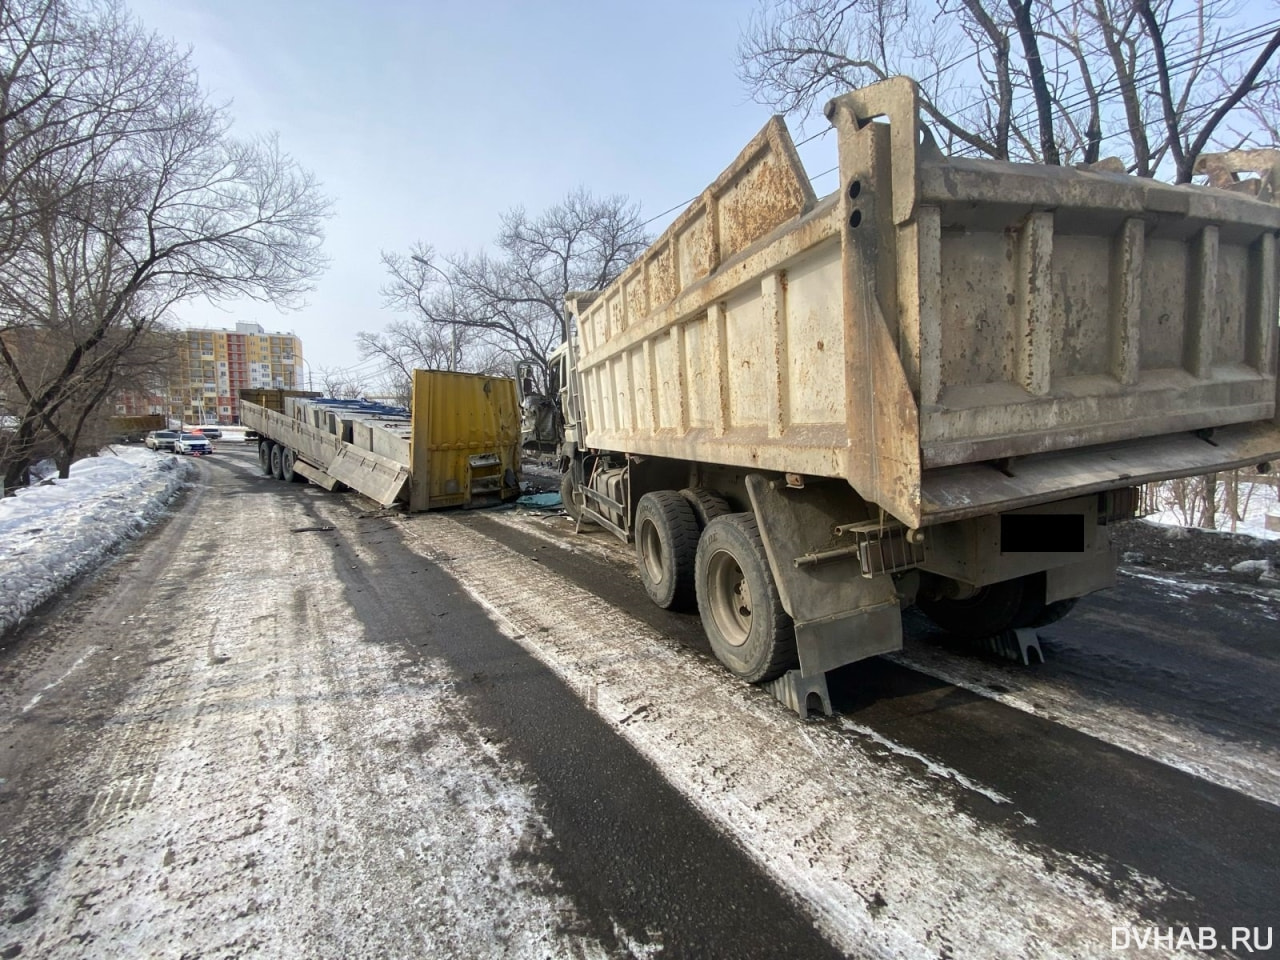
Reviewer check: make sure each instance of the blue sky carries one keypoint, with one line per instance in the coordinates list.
(425, 121)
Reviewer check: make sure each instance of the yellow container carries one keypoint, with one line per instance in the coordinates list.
(465, 446)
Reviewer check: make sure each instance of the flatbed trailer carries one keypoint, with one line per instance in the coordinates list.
(458, 444)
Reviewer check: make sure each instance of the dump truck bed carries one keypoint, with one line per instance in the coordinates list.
(953, 337)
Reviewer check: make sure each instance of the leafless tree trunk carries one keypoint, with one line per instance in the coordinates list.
(1150, 79)
(1209, 499)
(1039, 86)
(122, 192)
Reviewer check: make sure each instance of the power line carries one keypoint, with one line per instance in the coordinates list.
(1255, 35)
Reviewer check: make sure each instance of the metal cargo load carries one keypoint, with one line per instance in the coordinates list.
(458, 445)
(955, 338)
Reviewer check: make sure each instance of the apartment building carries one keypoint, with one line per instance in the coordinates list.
(215, 365)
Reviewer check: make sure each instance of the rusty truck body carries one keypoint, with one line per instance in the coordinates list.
(938, 386)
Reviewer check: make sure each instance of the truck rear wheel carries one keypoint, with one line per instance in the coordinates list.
(277, 461)
(1034, 612)
(286, 466)
(742, 614)
(264, 456)
(707, 504)
(992, 609)
(666, 545)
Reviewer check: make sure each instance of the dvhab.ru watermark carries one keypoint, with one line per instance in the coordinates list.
(1243, 939)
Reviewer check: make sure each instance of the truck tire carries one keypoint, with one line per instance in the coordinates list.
(264, 456)
(742, 614)
(707, 504)
(286, 466)
(571, 497)
(994, 609)
(666, 545)
(1052, 612)
(1034, 612)
(277, 461)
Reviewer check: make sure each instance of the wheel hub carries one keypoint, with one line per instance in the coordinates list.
(731, 600)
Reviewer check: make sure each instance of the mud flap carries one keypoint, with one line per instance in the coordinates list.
(1082, 578)
(840, 616)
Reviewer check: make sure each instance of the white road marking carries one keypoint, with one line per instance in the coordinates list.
(50, 686)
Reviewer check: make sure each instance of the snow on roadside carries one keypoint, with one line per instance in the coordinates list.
(1257, 501)
(54, 531)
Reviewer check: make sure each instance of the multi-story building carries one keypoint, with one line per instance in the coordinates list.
(217, 364)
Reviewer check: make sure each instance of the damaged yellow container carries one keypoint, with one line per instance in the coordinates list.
(465, 444)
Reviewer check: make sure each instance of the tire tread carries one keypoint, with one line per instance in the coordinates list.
(677, 515)
(782, 655)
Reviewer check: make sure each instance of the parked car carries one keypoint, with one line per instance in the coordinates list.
(192, 443)
(161, 439)
(210, 432)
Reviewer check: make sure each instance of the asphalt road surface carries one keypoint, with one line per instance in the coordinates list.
(290, 724)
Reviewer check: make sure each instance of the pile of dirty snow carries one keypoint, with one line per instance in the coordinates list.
(1207, 554)
(55, 530)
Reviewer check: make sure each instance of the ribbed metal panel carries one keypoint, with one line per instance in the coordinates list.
(466, 439)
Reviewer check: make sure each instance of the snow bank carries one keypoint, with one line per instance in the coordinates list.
(54, 531)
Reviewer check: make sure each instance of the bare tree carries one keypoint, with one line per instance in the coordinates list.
(429, 338)
(489, 309)
(1046, 82)
(1189, 124)
(122, 193)
(336, 382)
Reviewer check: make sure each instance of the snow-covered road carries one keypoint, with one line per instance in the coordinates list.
(267, 731)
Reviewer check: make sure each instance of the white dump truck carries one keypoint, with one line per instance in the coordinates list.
(937, 386)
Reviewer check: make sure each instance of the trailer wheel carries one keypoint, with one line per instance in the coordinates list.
(707, 504)
(286, 466)
(666, 543)
(277, 461)
(264, 456)
(742, 614)
(572, 498)
(993, 609)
